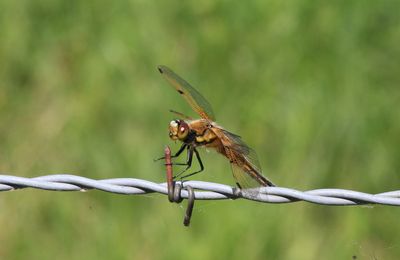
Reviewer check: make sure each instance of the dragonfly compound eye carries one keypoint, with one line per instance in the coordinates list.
(183, 130)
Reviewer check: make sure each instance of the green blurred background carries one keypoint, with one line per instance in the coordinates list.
(312, 86)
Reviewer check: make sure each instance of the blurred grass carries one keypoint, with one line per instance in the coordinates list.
(313, 87)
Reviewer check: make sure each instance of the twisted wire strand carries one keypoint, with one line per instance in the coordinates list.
(203, 190)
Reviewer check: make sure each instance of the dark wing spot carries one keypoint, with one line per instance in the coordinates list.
(180, 91)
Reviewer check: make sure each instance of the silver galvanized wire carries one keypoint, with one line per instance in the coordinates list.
(203, 190)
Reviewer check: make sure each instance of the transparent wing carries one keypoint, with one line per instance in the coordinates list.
(181, 115)
(190, 94)
(244, 181)
(244, 162)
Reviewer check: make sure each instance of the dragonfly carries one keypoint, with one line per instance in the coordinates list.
(204, 132)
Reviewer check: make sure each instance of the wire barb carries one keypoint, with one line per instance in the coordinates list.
(190, 206)
(174, 189)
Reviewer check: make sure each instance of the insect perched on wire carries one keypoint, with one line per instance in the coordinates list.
(204, 132)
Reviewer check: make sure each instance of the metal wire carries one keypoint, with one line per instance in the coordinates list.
(203, 190)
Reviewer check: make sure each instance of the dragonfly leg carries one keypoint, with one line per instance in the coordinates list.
(176, 154)
(189, 156)
(200, 163)
(188, 162)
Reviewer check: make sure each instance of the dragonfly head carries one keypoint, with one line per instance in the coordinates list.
(178, 130)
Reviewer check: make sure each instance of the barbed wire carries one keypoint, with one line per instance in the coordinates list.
(202, 190)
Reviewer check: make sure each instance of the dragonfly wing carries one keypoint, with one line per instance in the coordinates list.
(243, 180)
(189, 93)
(244, 162)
